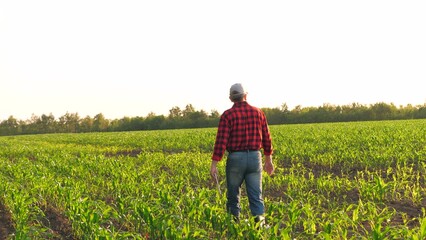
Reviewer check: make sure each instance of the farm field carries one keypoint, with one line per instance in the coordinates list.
(357, 180)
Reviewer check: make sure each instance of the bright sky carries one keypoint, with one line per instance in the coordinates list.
(130, 58)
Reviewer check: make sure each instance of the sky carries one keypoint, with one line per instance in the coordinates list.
(132, 58)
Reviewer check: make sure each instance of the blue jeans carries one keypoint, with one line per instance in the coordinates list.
(240, 167)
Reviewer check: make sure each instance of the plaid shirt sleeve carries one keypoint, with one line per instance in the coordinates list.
(222, 137)
(266, 138)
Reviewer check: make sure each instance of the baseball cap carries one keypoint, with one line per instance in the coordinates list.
(237, 90)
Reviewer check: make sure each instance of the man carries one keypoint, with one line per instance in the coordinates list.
(243, 130)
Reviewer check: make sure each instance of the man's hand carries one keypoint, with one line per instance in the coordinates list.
(269, 166)
(213, 169)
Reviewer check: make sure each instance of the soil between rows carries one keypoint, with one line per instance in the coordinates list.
(59, 225)
(6, 225)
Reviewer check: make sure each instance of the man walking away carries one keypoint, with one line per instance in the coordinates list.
(243, 131)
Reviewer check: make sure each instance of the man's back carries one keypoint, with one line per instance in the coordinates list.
(242, 127)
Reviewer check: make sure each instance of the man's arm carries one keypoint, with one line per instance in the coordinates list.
(266, 138)
(267, 148)
(269, 166)
(213, 169)
(219, 146)
(221, 139)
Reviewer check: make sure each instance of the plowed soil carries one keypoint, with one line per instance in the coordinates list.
(6, 225)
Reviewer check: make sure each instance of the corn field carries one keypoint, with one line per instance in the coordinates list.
(356, 180)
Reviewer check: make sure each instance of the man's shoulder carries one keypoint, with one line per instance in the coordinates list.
(254, 108)
(228, 111)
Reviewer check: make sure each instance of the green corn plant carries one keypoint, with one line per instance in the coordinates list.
(421, 231)
(380, 189)
(327, 230)
(294, 210)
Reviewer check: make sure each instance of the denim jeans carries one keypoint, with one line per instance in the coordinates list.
(240, 167)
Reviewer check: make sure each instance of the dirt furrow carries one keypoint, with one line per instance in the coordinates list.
(58, 223)
(6, 224)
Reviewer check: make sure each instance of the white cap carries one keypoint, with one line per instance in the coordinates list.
(237, 90)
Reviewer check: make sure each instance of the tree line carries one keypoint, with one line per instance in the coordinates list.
(189, 117)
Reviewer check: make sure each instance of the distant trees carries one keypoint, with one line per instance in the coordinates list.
(352, 112)
(10, 126)
(100, 123)
(189, 117)
(70, 122)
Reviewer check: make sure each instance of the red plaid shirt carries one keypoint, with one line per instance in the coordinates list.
(242, 127)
